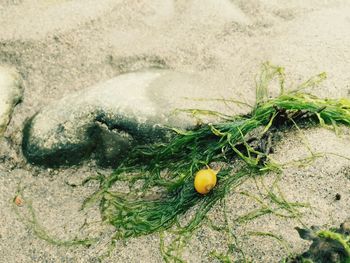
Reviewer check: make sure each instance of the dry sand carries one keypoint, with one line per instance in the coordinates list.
(61, 46)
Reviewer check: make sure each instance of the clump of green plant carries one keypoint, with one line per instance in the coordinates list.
(160, 176)
(328, 245)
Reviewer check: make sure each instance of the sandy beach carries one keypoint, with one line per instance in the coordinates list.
(60, 47)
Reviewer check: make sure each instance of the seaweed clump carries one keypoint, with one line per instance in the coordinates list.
(160, 176)
(328, 245)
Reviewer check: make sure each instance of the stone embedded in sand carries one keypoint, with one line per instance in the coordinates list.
(11, 92)
(109, 118)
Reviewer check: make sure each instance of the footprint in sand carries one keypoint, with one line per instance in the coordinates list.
(36, 19)
(11, 91)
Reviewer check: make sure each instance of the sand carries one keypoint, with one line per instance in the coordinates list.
(62, 46)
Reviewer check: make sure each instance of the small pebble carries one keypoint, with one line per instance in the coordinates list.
(337, 197)
(18, 200)
(345, 227)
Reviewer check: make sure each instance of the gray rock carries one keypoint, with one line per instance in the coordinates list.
(111, 117)
(11, 92)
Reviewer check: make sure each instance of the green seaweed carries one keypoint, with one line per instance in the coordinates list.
(166, 170)
(160, 175)
(328, 245)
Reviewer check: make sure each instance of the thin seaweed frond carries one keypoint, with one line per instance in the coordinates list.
(32, 222)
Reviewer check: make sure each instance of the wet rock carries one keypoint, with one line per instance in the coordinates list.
(111, 117)
(11, 92)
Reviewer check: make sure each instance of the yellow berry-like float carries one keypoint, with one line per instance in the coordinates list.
(205, 180)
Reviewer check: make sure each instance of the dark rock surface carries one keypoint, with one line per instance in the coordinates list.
(110, 118)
